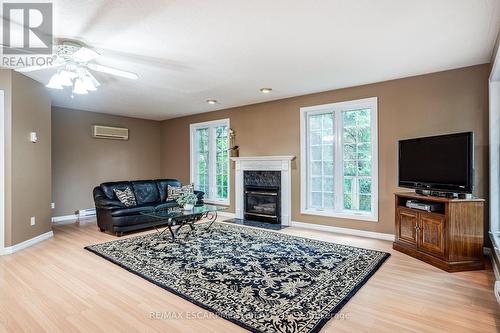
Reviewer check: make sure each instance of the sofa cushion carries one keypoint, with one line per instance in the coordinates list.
(146, 191)
(200, 195)
(137, 220)
(137, 210)
(126, 197)
(162, 185)
(109, 187)
(175, 192)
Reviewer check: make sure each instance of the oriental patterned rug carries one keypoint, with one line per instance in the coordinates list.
(262, 280)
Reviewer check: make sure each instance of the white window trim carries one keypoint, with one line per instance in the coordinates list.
(337, 108)
(211, 152)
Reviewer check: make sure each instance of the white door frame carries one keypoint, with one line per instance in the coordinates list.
(494, 131)
(2, 171)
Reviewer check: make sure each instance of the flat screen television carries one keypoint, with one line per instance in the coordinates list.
(443, 163)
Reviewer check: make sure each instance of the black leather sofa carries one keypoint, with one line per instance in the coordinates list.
(150, 195)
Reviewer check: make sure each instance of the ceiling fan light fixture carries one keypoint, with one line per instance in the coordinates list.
(70, 71)
(66, 78)
(79, 88)
(93, 79)
(88, 84)
(75, 63)
(54, 82)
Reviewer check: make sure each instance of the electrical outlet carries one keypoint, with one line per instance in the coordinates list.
(33, 137)
(52, 205)
(32, 221)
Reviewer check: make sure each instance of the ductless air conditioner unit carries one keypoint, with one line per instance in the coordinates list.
(107, 132)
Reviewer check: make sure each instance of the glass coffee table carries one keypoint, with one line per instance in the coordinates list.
(178, 217)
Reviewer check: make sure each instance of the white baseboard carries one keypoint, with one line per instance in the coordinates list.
(64, 219)
(495, 269)
(496, 288)
(26, 243)
(226, 214)
(346, 231)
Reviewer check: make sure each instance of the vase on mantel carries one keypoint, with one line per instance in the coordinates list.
(234, 152)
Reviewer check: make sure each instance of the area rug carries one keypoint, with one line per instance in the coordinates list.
(262, 280)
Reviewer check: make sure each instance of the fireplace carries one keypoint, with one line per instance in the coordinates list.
(262, 192)
(252, 174)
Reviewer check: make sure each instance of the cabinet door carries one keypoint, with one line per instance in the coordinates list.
(407, 226)
(431, 234)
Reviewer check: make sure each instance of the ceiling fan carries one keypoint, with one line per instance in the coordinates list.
(74, 63)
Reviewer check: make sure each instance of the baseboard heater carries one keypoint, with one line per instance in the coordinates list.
(85, 212)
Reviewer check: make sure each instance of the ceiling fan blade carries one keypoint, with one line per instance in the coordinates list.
(143, 60)
(35, 68)
(84, 54)
(113, 71)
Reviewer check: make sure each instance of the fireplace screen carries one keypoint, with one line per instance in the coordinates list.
(262, 196)
(262, 203)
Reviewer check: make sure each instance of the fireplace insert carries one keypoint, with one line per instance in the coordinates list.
(262, 196)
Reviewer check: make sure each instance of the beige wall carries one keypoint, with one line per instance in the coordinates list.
(437, 103)
(31, 170)
(27, 165)
(80, 162)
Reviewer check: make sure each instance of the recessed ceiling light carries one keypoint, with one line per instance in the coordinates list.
(266, 90)
(211, 101)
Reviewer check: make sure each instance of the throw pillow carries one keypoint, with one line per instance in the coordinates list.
(126, 197)
(174, 192)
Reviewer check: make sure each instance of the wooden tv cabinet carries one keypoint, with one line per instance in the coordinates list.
(450, 238)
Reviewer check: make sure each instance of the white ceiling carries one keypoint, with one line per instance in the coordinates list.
(187, 51)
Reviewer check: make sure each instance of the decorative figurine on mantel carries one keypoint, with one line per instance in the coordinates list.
(234, 151)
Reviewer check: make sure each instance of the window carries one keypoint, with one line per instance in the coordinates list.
(339, 170)
(210, 160)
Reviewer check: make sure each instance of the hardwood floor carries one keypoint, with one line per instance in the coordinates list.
(57, 286)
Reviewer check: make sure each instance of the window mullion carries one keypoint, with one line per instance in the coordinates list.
(338, 168)
(355, 193)
(323, 194)
(196, 155)
(355, 185)
(308, 164)
(211, 162)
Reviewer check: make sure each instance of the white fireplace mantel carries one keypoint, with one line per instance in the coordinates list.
(265, 163)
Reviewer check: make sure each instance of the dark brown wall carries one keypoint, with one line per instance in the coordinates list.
(444, 102)
(80, 162)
